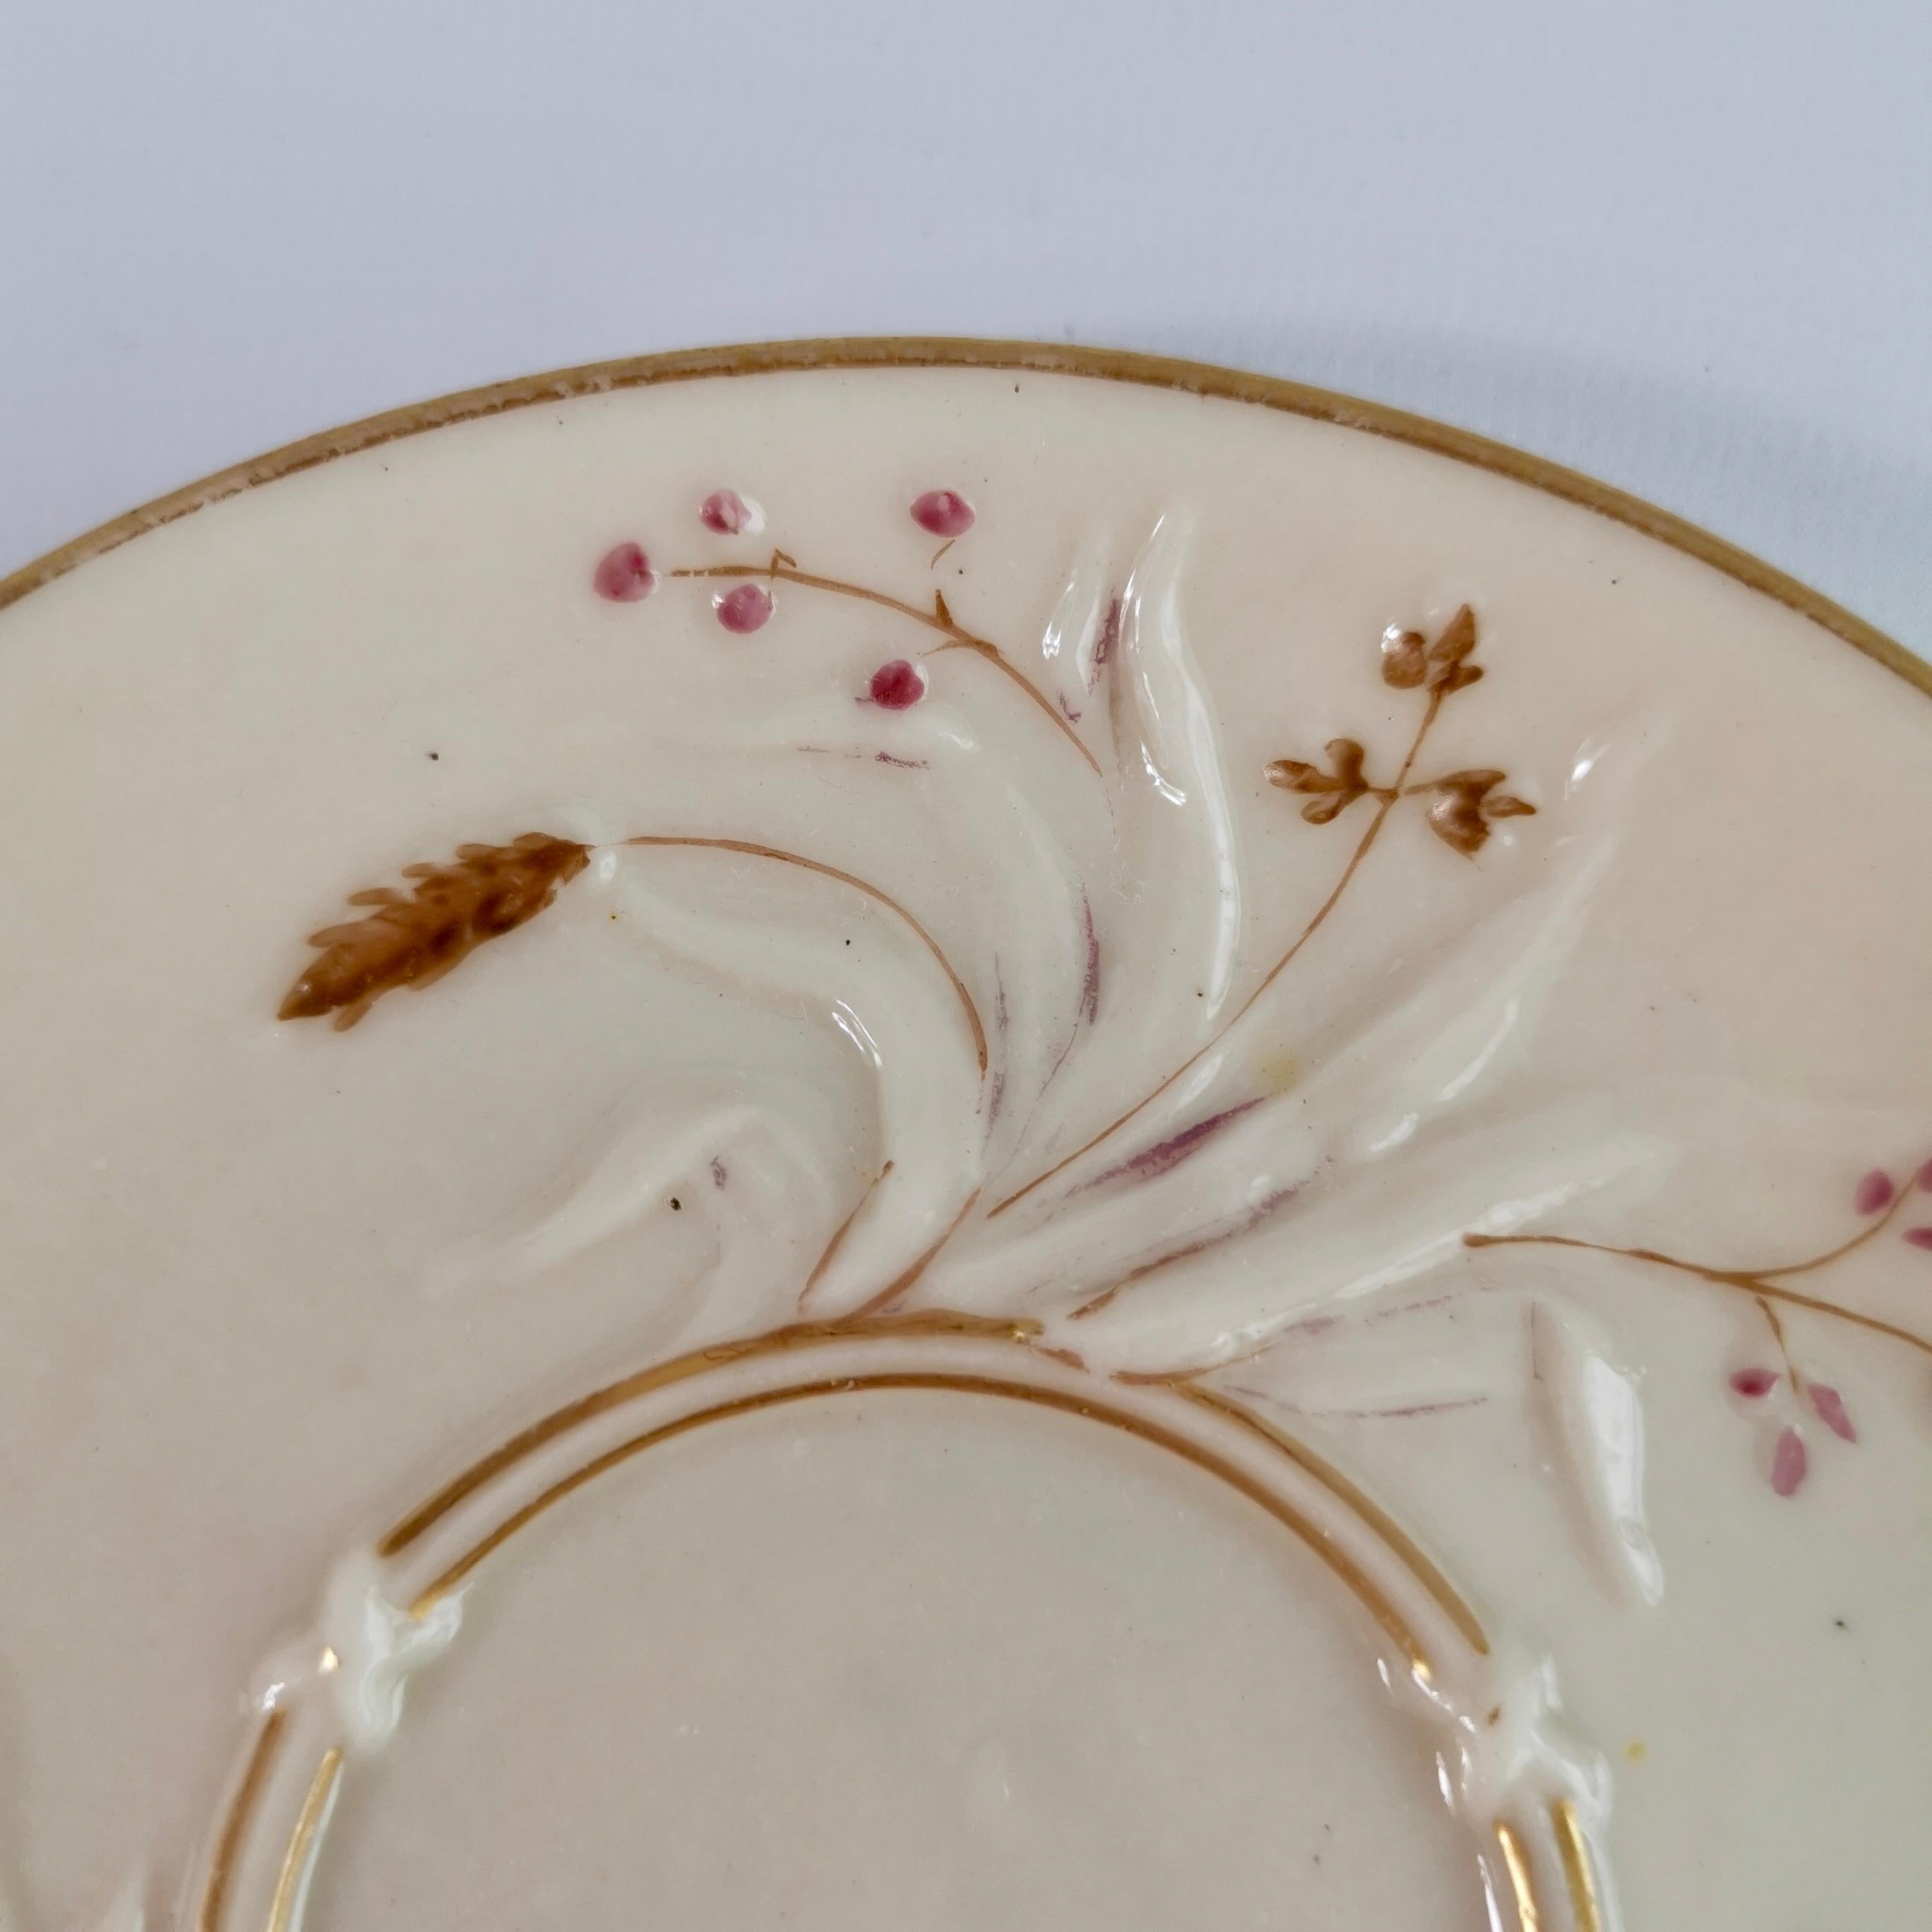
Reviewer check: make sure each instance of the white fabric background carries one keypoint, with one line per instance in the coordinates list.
(1684, 245)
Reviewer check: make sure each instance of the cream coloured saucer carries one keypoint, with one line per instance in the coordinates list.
(947, 1134)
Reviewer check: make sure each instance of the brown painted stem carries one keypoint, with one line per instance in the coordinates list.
(1386, 804)
(1758, 1286)
(872, 892)
(782, 570)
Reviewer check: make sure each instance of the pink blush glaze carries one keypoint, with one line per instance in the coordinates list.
(744, 609)
(1874, 1193)
(624, 575)
(944, 512)
(1753, 1383)
(1788, 1462)
(1831, 1412)
(730, 514)
(897, 686)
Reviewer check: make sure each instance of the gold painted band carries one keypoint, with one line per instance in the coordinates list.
(1114, 365)
(1094, 1409)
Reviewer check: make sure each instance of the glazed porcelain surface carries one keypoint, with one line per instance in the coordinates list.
(957, 1146)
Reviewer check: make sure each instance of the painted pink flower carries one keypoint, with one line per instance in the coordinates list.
(944, 512)
(1919, 1237)
(898, 685)
(625, 575)
(1754, 1382)
(1874, 1193)
(1830, 1407)
(730, 515)
(1788, 1462)
(744, 609)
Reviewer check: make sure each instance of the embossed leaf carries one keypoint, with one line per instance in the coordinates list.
(1168, 746)
(489, 890)
(1405, 659)
(1320, 810)
(1593, 1416)
(1503, 804)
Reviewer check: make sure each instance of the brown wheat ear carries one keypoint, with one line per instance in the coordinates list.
(486, 891)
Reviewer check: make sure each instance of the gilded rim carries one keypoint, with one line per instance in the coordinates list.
(898, 352)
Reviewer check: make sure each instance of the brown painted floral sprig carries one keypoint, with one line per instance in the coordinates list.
(1463, 804)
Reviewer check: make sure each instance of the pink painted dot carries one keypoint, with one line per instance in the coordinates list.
(1830, 1407)
(898, 685)
(1874, 1193)
(1754, 1382)
(730, 515)
(1919, 1237)
(625, 575)
(1925, 1176)
(744, 609)
(944, 512)
(1788, 1462)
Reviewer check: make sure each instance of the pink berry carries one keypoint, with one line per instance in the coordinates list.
(898, 685)
(1754, 1382)
(745, 609)
(1919, 1237)
(1830, 1407)
(1788, 1463)
(730, 515)
(625, 575)
(944, 512)
(1874, 1193)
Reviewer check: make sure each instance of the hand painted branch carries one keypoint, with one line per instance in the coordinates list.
(1762, 1284)
(1881, 1200)
(781, 569)
(1459, 817)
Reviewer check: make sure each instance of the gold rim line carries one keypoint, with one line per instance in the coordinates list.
(918, 1323)
(1578, 1872)
(1091, 1409)
(300, 1856)
(1117, 365)
(1399, 1541)
(1516, 1861)
(681, 1368)
(235, 1820)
